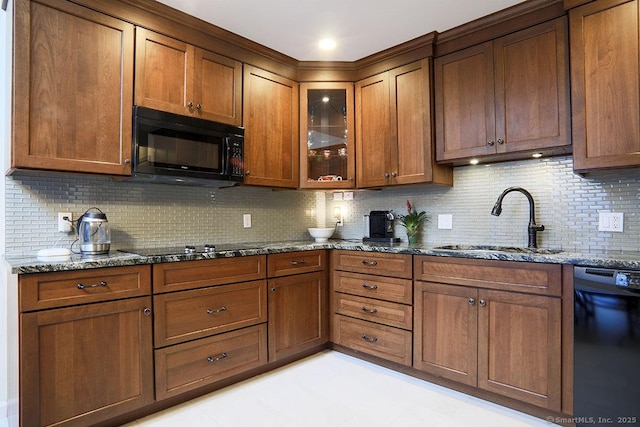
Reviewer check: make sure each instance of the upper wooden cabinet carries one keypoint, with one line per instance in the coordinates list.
(73, 89)
(327, 150)
(505, 98)
(604, 85)
(394, 143)
(270, 105)
(183, 79)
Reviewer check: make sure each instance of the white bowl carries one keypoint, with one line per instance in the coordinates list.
(321, 234)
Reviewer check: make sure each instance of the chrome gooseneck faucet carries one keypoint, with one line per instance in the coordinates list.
(533, 227)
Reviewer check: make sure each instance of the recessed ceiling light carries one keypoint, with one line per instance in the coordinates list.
(327, 44)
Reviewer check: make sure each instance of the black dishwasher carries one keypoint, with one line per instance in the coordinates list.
(607, 347)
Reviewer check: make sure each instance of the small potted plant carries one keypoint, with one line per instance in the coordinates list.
(413, 221)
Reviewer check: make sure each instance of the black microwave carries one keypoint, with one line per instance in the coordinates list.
(170, 148)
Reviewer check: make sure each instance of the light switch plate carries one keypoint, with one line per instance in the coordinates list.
(445, 221)
(611, 221)
(246, 220)
(337, 196)
(348, 195)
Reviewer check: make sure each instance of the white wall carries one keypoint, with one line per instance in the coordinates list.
(5, 134)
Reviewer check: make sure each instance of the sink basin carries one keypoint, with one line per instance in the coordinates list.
(489, 248)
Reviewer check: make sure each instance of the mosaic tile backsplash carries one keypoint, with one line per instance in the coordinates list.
(154, 215)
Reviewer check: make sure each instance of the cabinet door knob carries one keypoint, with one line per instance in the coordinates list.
(190, 105)
(472, 301)
(482, 303)
(272, 289)
(247, 173)
(199, 106)
(386, 175)
(147, 311)
(393, 174)
(500, 141)
(490, 143)
(127, 161)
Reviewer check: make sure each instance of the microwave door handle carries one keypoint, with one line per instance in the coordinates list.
(225, 156)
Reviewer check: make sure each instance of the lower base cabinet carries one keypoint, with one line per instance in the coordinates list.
(193, 364)
(501, 341)
(297, 314)
(86, 364)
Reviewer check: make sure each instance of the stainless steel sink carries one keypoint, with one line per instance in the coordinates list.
(490, 248)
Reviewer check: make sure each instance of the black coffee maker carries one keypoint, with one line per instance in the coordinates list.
(381, 227)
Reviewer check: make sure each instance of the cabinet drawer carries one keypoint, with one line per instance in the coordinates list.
(385, 288)
(176, 276)
(529, 277)
(383, 341)
(197, 363)
(387, 313)
(182, 316)
(394, 265)
(285, 264)
(58, 289)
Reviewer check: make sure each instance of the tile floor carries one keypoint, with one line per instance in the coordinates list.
(333, 389)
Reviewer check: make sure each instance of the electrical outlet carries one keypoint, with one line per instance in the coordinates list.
(337, 196)
(65, 222)
(445, 222)
(348, 195)
(611, 221)
(246, 220)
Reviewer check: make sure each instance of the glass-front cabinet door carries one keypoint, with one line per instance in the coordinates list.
(327, 154)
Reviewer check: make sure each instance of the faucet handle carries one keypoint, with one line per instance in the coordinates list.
(537, 227)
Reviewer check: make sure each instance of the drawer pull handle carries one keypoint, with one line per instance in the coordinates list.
(99, 285)
(369, 310)
(370, 339)
(372, 287)
(365, 262)
(301, 262)
(215, 359)
(220, 310)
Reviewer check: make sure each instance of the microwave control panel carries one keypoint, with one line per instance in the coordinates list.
(235, 157)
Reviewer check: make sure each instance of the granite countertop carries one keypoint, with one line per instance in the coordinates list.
(25, 264)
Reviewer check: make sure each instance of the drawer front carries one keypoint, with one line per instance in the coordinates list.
(382, 264)
(182, 316)
(383, 341)
(384, 288)
(187, 366)
(64, 288)
(529, 277)
(285, 264)
(176, 276)
(387, 313)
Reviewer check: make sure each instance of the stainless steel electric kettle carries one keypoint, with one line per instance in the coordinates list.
(94, 234)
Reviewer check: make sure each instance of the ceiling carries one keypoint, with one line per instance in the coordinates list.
(360, 28)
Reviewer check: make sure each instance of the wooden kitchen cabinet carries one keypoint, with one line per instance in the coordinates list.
(86, 363)
(499, 340)
(298, 304)
(605, 76)
(506, 98)
(394, 133)
(270, 113)
(327, 149)
(176, 77)
(372, 304)
(73, 89)
(209, 323)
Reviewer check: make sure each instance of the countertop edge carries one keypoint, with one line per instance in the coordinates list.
(31, 264)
